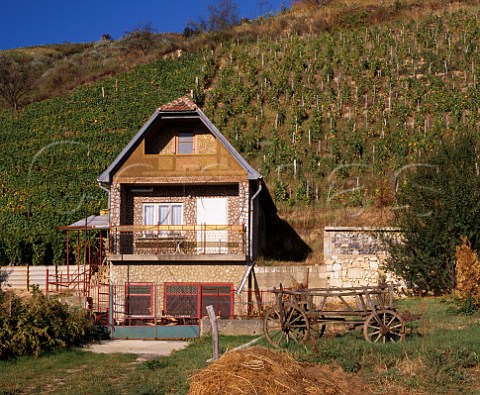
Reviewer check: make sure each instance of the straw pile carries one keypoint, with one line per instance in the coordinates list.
(259, 370)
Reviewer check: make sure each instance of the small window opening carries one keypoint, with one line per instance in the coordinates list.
(185, 143)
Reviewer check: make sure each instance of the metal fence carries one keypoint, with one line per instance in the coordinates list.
(177, 239)
(179, 303)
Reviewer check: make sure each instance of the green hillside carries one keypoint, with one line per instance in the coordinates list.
(53, 151)
(328, 114)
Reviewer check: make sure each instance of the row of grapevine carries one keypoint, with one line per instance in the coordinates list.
(369, 100)
(53, 152)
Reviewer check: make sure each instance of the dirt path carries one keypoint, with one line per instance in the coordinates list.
(145, 349)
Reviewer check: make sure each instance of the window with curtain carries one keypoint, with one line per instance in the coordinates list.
(161, 214)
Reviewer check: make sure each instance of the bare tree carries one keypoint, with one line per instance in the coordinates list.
(141, 39)
(222, 15)
(264, 7)
(16, 80)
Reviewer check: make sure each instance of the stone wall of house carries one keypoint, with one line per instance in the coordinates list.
(126, 206)
(221, 272)
(186, 272)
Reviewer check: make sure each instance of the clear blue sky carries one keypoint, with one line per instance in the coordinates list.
(35, 22)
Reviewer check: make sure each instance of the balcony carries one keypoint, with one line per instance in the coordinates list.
(177, 243)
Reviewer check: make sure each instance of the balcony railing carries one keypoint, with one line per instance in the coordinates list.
(178, 239)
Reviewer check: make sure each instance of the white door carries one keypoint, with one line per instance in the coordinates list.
(212, 211)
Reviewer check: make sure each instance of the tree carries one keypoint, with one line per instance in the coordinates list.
(141, 39)
(193, 28)
(222, 15)
(16, 80)
(438, 203)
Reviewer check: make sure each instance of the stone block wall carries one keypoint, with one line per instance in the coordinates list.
(354, 256)
(351, 241)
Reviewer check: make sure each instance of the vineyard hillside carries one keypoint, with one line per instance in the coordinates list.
(331, 113)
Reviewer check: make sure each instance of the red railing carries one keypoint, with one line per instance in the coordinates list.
(76, 280)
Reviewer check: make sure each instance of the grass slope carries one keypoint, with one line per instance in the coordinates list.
(330, 111)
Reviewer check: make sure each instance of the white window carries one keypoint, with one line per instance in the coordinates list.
(162, 214)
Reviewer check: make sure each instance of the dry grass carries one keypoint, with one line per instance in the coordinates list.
(259, 370)
(309, 223)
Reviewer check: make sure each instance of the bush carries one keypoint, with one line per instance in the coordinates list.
(437, 204)
(31, 324)
(468, 278)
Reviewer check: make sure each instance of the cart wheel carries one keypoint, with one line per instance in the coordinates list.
(293, 329)
(389, 326)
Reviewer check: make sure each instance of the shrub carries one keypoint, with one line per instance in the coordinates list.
(31, 324)
(437, 204)
(468, 278)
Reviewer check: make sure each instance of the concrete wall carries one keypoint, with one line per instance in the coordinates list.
(253, 327)
(22, 277)
(271, 276)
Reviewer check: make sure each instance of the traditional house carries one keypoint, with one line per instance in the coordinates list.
(186, 213)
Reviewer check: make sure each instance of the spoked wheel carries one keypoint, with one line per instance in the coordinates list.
(293, 328)
(385, 326)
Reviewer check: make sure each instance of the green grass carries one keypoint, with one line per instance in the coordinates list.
(79, 372)
(440, 355)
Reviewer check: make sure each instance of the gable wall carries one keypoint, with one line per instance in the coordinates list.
(156, 155)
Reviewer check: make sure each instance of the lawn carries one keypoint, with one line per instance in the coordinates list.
(441, 355)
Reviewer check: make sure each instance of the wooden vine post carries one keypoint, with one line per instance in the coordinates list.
(213, 320)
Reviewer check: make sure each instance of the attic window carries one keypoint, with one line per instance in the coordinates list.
(185, 143)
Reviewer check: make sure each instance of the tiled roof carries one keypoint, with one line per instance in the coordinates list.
(183, 103)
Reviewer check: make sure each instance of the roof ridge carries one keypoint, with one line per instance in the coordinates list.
(184, 103)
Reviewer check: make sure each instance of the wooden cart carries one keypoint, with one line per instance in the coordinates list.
(297, 312)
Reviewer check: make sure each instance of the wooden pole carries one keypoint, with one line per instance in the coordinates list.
(213, 320)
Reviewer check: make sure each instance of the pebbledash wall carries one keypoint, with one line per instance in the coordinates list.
(352, 257)
(185, 272)
(220, 272)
